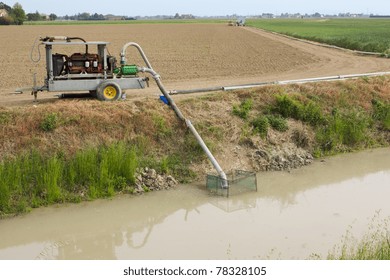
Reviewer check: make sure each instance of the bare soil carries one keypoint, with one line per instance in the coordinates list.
(187, 56)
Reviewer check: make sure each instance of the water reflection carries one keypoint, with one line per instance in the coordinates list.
(291, 216)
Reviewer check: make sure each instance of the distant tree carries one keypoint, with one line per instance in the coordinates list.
(97, 16)
(52, 16)
(18, 14)
(84, 16)
(34, 16)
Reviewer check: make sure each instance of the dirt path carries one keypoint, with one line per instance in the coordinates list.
(331, 61)
(187, 56)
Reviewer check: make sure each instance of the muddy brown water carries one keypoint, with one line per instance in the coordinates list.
(293, 215)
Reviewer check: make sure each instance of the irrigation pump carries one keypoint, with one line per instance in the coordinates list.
(92, 69)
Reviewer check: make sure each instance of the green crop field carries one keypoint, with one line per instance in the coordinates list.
(371, 35)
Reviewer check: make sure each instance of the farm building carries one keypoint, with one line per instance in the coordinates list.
(3, 13)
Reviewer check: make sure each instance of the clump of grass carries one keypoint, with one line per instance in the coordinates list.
(5, 117)
(312, 114)
(381, 113)
(261, 125)
(348, 128)
(288, 107)
(50, 122)
(243, 109)
(375, 244)
(277, 122)
(161, 127)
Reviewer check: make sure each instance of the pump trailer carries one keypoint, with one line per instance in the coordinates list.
(96, 71)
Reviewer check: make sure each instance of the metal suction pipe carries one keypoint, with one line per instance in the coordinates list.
(138, 47)
(160, 85)
(199, 139)
(216, 165)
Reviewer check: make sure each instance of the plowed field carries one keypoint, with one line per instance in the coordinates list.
(185, 55)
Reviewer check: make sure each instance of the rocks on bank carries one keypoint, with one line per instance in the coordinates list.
(147, 179)
(282, 158)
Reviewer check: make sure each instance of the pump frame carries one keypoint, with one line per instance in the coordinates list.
(85, 81)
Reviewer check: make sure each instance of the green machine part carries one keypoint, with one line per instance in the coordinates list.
(127, 70)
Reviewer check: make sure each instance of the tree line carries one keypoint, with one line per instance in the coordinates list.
(16, 15)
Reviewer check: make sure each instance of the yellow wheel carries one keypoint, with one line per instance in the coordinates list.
(108, 91)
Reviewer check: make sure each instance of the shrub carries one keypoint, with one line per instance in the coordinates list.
(288, 107)
(4, 190)
(347, 129)
(243, 109)
(5, 117)
(381, 113)
(312, 114)
(353, 129)
(50, 122)
(120, 183)
(278, 123)
(261, 125)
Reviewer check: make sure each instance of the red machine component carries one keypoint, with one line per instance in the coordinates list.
(81, 63)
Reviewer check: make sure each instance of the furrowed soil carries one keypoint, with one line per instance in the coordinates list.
(186, 56)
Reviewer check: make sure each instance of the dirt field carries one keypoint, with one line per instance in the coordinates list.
(185, 55)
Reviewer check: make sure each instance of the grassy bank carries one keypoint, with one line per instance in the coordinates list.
(32, 180)
(331, 118)
(85, 150)
(371, 35)
(73, 150)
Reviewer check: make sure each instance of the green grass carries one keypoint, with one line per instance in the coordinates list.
(374, 245)
(277, 122)
(261, 125)
(243, 109)
(337, 126)
(372, 35)
(289, 107)
(348, 128)
(50, 122)
(33, 180)
(381, 113)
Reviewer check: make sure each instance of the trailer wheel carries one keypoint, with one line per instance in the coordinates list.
(108, 91)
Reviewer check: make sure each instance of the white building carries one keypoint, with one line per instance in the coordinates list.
(3, 13)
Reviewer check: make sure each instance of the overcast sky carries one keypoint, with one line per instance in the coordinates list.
(203, 7)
